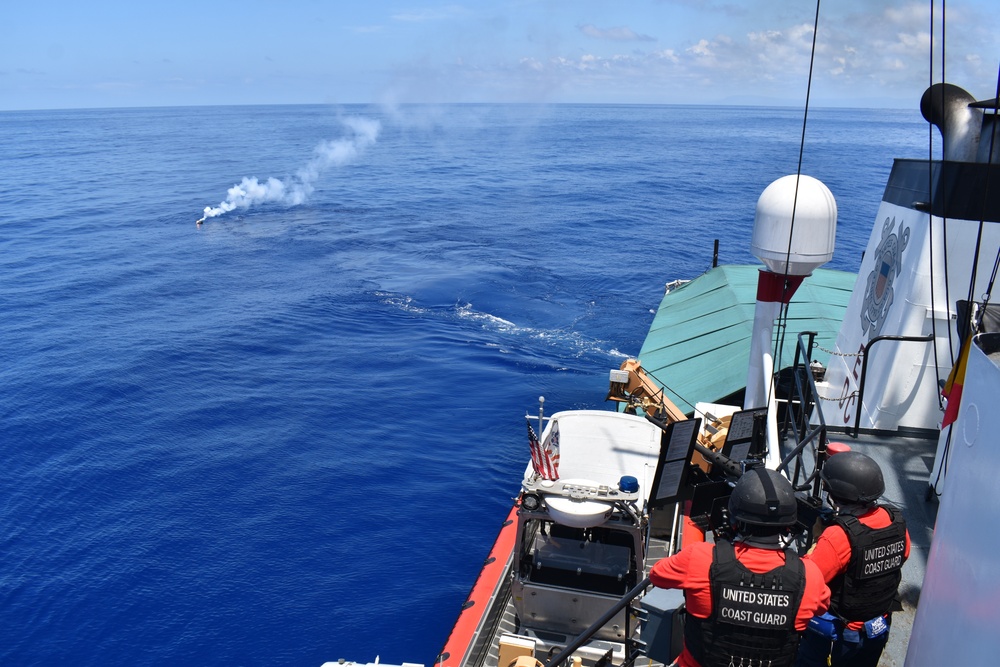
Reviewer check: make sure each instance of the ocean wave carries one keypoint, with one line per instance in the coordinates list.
(509, 337)
(400, 301)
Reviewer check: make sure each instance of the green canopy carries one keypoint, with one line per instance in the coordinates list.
(698, 346)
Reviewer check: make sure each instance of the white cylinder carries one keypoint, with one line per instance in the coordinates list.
(815, 229)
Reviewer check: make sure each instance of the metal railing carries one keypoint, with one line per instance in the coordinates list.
(929, 338)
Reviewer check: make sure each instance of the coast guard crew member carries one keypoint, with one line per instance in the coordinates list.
(861, 555)
(747, 601)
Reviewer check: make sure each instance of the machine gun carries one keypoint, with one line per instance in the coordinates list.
(699, 469)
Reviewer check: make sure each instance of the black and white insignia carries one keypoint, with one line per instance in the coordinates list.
(878, 291)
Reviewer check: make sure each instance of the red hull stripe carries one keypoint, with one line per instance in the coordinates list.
(471, 616)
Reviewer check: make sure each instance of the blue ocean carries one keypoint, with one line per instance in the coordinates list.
(290, 434)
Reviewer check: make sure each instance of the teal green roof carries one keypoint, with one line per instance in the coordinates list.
(699, 343)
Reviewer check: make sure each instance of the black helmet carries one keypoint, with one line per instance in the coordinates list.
(853, 477)
(763, 497)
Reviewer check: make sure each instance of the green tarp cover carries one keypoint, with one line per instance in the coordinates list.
(698, 346)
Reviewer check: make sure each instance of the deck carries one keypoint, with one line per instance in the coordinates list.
(906, 464)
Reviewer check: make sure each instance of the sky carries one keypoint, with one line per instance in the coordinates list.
(870, 53)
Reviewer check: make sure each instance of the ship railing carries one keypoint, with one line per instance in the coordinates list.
(633, 649)
(929, 338)
(800, 409)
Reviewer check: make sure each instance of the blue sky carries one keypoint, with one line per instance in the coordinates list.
(871, 53)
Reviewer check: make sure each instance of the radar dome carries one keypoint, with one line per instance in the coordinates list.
(815, 226)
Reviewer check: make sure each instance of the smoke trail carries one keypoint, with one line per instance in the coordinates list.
(335, 152)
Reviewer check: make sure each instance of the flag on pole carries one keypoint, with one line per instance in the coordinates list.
(550, 452)
(545, 455)
(953, 388)
(536, 450)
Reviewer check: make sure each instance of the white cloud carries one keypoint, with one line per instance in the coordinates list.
(667, 54)
(619, 34)
(532, 64)
(702, 48)
(862, 53)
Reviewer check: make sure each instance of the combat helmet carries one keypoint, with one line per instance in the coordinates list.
(853, 477)
(763, 497)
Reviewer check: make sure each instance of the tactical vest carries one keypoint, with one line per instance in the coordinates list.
(753, 615)
(867, 587)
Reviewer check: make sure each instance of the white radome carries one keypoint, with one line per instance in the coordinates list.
(815, 225)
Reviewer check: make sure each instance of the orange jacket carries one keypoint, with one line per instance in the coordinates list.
(832, 551)
(688, 570)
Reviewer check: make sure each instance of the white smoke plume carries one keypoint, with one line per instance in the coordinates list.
(362, 133)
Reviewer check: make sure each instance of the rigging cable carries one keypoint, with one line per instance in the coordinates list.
(986, 190)
(943, 469)
(930, 212)
(944, 220)
(783, 314)
(976, 322)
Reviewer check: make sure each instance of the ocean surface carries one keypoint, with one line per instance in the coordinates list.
(290, 434)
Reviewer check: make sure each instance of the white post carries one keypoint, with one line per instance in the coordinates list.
(773, 290)
(761, 354)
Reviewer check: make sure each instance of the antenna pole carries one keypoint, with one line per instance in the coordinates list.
(541, 415)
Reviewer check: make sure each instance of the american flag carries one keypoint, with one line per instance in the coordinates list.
(545, 455)
(883, 278)
(536, 450)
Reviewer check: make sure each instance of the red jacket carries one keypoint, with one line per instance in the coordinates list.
(688, 570)
(832, 551)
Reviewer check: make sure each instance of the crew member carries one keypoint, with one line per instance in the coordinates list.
(748, 600)
(861, 555)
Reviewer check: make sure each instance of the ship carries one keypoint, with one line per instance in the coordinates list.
(910, 378)
(778, 365)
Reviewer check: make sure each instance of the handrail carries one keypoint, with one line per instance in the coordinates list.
(561, 657)
(929, 338)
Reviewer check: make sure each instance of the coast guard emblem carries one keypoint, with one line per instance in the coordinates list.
(878, 291)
